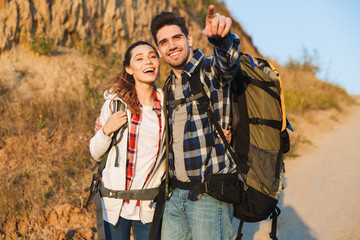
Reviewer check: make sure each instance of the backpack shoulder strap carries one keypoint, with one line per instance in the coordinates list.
(196, 88)
(94, 187)
(163, 188)
(118, 106)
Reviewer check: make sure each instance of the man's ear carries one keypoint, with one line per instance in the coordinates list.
(190, 38)
(129, 70)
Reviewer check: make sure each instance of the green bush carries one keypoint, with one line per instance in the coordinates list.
(42, 45)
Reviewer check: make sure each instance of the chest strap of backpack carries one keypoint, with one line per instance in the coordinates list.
(136, 194)
(181, 101)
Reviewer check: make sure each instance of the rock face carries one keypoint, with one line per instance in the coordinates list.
(114, 23)
(102, 21)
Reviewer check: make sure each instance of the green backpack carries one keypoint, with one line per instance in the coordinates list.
(259, 137)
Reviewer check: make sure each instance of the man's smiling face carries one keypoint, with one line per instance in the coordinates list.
(174, 46)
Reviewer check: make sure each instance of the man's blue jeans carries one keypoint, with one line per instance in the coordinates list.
(122, 231)
(204, 219)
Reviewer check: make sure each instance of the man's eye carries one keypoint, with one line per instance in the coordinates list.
(139, 59)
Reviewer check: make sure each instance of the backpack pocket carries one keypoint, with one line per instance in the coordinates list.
(264, 169)
(255, 206)
(224, 187)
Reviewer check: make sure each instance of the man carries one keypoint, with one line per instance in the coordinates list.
(195, 150)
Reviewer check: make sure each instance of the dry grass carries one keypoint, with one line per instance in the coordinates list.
(305, 95)
(45, 155)
(304, 92)
(44, 138)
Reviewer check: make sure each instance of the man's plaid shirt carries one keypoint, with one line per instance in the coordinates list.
(201, 143)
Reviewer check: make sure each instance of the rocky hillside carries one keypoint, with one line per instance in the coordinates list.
(110, 23)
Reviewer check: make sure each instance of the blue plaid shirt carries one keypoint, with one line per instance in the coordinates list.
(201, 143)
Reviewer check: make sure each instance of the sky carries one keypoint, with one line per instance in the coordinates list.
(328, 30)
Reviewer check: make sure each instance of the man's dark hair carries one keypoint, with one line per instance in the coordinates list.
(165, 19)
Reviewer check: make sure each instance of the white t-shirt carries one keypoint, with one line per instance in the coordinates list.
(147, 148)
(180, 118)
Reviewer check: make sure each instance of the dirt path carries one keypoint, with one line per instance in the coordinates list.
(322, 196)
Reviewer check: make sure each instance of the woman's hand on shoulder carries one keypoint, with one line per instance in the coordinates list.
(98, 125)
(227, 134)
(115, 121)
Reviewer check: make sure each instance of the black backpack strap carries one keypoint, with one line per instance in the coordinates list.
(135, 194)
(268, 122)
(167, 134)
(158, 212)
(182, 101)
(239, 234)
(274, 217)
(196, 87)
(266, 87)
(118, 105)
(93, 188)
(163, 189)
(197, 187)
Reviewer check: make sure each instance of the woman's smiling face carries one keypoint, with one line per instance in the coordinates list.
(144, 64)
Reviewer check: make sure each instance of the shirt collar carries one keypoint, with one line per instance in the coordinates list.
(192, 64)
(157, 102)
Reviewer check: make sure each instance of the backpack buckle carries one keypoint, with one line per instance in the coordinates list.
(182, 101)
(255, 120)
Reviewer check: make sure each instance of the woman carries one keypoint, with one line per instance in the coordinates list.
(137, 160)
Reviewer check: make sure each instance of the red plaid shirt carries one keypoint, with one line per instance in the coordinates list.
(132, 144)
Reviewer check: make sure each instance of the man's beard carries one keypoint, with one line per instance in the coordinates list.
(182, 64)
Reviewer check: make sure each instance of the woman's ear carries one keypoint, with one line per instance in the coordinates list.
(129, 70)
